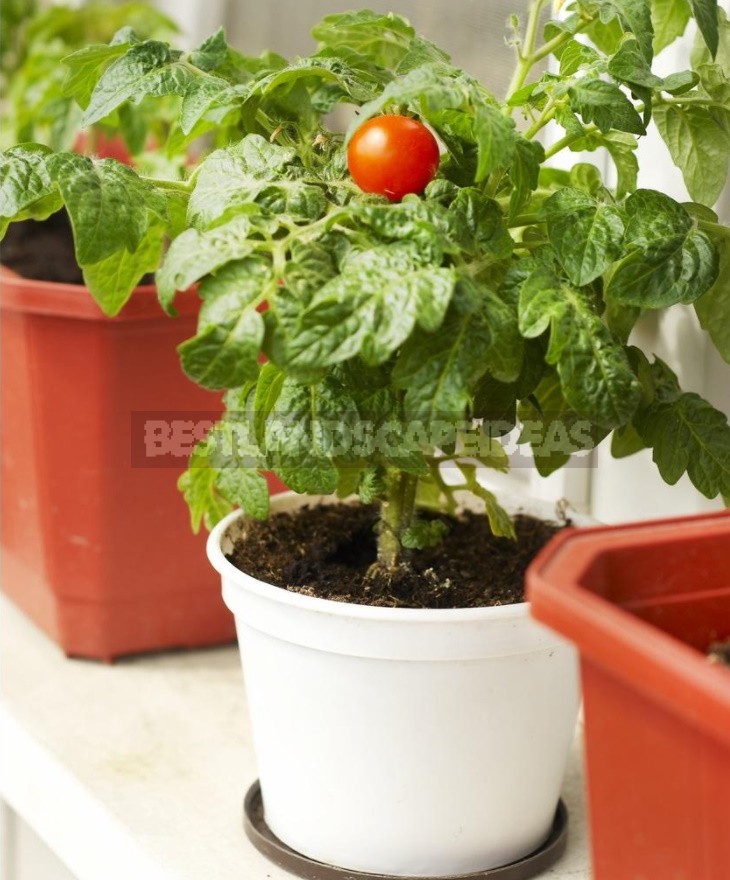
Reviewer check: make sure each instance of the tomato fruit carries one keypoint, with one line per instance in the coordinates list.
(105, 146)
(393, 156)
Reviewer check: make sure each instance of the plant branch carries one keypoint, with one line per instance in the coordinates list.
(547, 114)
(570, 139)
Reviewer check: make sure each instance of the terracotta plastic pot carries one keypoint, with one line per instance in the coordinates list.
(643, 603)
(402, 741)
(96, 538)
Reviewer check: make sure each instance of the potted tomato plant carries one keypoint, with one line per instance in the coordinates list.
(96, 545)
(646, 605)
(430, 282)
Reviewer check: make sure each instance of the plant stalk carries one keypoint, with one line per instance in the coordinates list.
(396, 515)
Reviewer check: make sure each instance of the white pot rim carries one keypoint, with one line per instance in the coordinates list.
(235, 577)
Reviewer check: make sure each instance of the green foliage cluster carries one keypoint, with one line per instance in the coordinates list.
(505, 293)
(38, 107)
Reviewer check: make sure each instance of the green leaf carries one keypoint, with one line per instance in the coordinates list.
(212, 52)
(194, 254)
(604, 104)
(385, 39)
(635, 16)
(496, 141)
(477, 225)
(595, 374)
(585, 233)
(713, 307)
(553, 429)
(110, 206)
(705, 12)
(622, 149)
(27, 188)
(85, 67)
(500, 522)
(670, 19)
(224, 353)
(438, 370)
(303, 432)
(268, 388)
(670, 260)
(371, 307)
(524, 173)
(148, 68)
(699, 147)
(625, 442)
(245, 487)
(112, 280)
(198, 486)
(427, 90)
(424, 533)
(630, 66)
(253, 171)
(576, 55)
(686, 434)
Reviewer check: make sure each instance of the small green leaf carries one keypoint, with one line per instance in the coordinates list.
(604, 104)
(27, 188)
(424, 533)
(304, 432)
(636, 16)
(212, 52)
(713, 307)
(585, 233)
(670, 260)
(147, 68)
(686, 434)
(495, 138)
(112, 280)
(194, 254)
(705, 12)
(383, 38)
(670, 19)
(524, 173)
(699, 146)
(553, 429)
(85, 68)
(371, 307)
(595, 374)
(438, 370)
(253, 171)
(110, 206)
(500, 521)
(198, 486)
(245, 487)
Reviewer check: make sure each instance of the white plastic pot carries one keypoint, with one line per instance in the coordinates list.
(402, 741)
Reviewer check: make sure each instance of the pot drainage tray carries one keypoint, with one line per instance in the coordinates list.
(261, 836)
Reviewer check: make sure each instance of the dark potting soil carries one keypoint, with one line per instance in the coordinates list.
(327, 551)
(719, 652)
(44, 250)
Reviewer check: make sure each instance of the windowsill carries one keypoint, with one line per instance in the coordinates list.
(139, 769)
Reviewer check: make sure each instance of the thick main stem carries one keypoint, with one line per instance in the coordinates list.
(396, 515)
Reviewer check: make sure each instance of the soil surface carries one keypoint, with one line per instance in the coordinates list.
(44, 250)
(327, 551)
(719, 652)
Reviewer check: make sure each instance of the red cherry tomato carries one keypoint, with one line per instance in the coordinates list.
(393, 156)
(105, 147)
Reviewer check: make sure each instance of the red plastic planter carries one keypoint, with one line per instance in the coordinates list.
(643, 603)
(97, 546)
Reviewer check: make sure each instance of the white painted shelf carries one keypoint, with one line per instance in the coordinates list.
(138, 770)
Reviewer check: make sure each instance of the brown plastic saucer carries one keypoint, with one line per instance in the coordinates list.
(260, 835)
